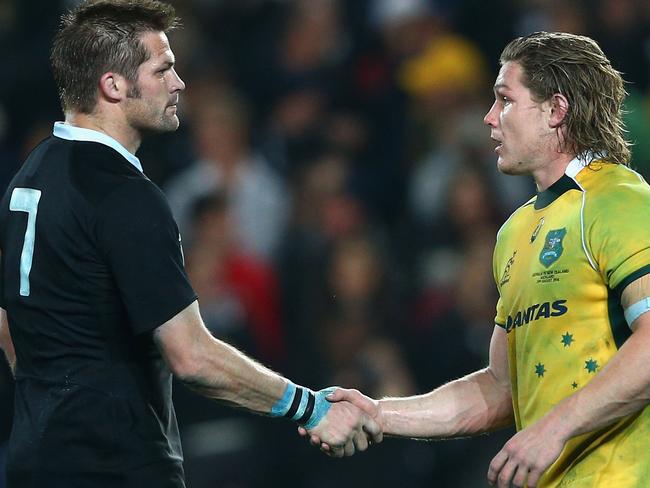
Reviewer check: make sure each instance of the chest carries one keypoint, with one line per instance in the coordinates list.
(541, 261)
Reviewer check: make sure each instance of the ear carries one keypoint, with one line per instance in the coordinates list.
(112, 87)
(559, 109)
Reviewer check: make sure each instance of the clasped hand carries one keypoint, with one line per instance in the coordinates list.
(347, 427)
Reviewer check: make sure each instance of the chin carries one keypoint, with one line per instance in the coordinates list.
(165, 125)
(509, 168)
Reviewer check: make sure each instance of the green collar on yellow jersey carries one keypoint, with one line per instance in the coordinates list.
(548, 196)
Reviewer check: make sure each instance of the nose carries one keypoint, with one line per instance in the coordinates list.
(491, 117)
(178, 84)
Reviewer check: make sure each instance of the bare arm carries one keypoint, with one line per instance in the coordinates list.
(6, 344)
(477, 403)
(217, 370)
(623, 385)
(214, 368)
(620, 389)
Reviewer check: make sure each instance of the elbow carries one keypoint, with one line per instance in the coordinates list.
(185, 367)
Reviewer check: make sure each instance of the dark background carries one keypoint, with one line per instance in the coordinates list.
(338, 199)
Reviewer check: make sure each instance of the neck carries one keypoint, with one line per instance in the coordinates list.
(121, 132)
(552, 171)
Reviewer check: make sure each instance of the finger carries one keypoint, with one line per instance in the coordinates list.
(349, 448)
(302, 431)
(314, 440)
(519, 480)
(495, 467)
(360, 441)
(506, 474)
(533, 478)
(335, 452)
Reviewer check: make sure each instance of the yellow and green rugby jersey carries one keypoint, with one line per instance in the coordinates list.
(561, 262)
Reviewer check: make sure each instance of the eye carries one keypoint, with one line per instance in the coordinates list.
(505, 100)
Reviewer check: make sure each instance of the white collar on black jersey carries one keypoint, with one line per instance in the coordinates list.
(73, 133)
(579, 162)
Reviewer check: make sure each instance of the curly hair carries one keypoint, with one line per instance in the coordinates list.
(100, 36)
(575, 66)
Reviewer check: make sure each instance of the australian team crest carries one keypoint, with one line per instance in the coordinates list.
(552, 249)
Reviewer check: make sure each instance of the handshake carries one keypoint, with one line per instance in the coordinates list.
(350, 422)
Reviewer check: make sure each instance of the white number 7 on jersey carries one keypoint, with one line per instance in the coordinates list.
(26, 200)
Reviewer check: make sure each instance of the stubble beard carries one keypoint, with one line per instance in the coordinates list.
(146, 118)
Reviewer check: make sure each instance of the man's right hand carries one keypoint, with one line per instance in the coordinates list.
(352, 424)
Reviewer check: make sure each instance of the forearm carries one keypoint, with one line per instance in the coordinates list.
(474, 404)
(226, 375)
(11, 360)
(620, 389)
(6, 344)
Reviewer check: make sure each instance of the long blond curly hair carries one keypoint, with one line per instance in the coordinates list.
(575, 66)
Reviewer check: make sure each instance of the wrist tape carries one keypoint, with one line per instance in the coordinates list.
(302, 405)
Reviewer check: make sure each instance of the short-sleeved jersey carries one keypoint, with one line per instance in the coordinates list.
(91, 265)
(560, 264)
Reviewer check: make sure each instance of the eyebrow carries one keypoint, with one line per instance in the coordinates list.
(167, 63)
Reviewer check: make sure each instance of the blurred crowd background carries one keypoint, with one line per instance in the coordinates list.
(337, 195)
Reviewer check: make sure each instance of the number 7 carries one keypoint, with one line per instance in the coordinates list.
(26, 200)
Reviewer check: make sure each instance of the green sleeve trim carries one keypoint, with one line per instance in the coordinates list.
(503, 326)
(630, 278)
(620, 330)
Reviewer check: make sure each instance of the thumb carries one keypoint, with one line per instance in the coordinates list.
(358, 399)
(337, 395)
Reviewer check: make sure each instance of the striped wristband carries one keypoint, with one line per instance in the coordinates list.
(302, 405)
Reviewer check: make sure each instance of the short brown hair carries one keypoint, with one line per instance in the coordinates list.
(575, 66)
(100, 36)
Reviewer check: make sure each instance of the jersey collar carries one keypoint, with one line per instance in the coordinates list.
(578, 163)
(73, 133)
(566, 182)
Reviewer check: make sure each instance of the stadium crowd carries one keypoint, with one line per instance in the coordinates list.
(337, 195)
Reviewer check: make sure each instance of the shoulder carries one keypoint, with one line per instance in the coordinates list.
(136, 197)
(511, 222)
(614, 191)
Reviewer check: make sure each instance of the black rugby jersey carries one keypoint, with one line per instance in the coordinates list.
(91, 265)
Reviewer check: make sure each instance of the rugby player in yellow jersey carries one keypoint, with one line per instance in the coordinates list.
(569, 353)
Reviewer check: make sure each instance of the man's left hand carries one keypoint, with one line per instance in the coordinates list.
(526, 456)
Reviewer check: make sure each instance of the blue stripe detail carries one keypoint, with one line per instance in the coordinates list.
(321, 407)
(633, 312)
(283, 404)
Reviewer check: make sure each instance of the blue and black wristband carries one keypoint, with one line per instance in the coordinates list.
(303, 405)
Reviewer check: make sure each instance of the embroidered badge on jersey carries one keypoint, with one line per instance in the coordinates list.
(552, 249)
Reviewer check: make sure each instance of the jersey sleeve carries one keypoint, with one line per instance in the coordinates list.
(140, 239)
(618, 235)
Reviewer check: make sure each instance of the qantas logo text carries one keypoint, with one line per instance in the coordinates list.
(536, 312)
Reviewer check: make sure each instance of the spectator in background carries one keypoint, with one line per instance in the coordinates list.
(239, 292)
(449, 317)
(227, 162)
(357, 320)
(299, 80)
